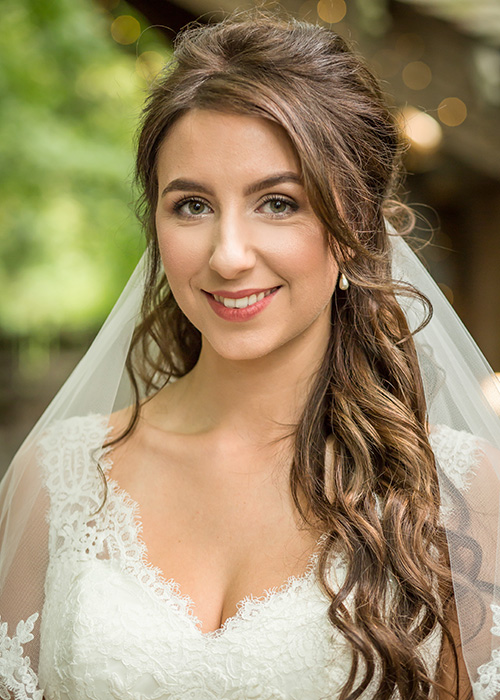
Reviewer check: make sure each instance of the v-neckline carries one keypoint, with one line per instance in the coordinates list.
(158, 582)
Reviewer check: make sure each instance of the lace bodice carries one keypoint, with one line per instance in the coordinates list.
(113, 627)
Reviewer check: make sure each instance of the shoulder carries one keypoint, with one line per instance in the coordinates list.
(75, 429)
(458, 453)
(70, 436)
(68, 447)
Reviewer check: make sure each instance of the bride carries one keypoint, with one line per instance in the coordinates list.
(293, 493)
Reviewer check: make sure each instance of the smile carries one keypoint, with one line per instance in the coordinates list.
(241, 309)
(243, 302)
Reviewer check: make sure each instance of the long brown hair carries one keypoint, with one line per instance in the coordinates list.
(380, 504)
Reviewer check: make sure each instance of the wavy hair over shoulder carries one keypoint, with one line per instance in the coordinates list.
(379, 502)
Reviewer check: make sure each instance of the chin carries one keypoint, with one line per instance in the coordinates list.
(241, 351)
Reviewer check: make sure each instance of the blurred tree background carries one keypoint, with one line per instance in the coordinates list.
(73, 76)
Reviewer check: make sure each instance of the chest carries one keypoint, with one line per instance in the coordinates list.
(223, 530)
(108, 634)
(114, 626)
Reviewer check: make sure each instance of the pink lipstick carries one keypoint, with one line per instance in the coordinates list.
(235, 314)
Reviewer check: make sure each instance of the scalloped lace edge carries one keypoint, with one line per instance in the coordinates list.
(487, 687)
(171, 588)
(151, 577)
(16, 674)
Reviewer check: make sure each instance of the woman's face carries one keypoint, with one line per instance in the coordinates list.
(234, 224)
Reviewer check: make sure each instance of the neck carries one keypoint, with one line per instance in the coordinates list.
(247, 401)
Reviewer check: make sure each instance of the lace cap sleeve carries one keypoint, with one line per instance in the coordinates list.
(457, 453)
(69, 452)
(45, 473)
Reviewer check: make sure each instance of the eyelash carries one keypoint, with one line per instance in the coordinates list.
(177, 206)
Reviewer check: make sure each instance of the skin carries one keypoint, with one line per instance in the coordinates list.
(212, 485)
(240, 242)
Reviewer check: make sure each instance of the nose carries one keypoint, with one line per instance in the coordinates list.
(232, 251)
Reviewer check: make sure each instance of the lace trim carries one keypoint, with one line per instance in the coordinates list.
(153, 577)
(487, 686)
(81, 531)
(457, 453)
(117, 530)
(16, 674)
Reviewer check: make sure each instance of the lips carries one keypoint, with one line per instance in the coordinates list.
(247, 308)
(242, 302)
(241, 293)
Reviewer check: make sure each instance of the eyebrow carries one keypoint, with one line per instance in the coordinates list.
(183, 185)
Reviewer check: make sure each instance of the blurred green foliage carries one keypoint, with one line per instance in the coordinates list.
(70, 99)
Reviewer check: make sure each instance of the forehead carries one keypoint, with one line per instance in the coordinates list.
(220, 144)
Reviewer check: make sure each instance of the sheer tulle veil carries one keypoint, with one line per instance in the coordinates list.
(458, 384)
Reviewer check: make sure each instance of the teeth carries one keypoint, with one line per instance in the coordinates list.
(244, 301)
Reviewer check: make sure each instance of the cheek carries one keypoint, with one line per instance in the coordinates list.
(318, 269)
(180, 264)
(180, 261)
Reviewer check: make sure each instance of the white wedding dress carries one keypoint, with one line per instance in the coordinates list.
(112, 627)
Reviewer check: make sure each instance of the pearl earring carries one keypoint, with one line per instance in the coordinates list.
(343, 282)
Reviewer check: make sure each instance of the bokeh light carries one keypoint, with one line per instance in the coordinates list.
(125, 29)
(452, 111)
(417, 75)
(331, 11)
(149, 64)
(422, 130)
